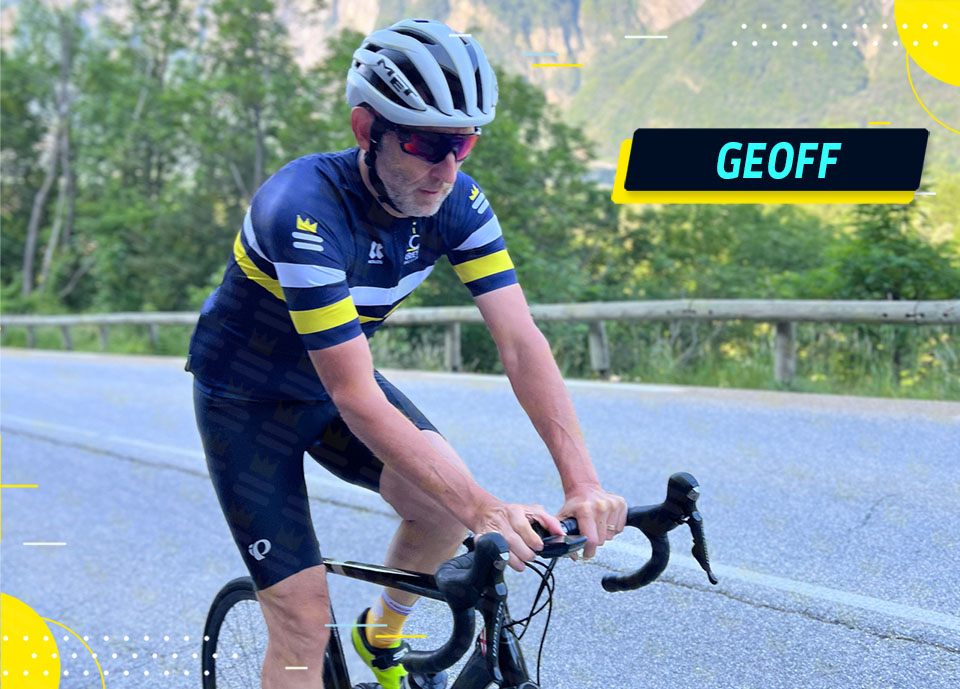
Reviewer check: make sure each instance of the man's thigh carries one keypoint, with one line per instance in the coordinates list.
(254, 453)
(344, 455)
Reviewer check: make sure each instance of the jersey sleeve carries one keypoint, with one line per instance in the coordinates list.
(310, 267)
(475, 247)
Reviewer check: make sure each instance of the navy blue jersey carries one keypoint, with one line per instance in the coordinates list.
(317, 262)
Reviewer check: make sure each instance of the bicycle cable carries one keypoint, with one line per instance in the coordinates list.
(547, 582)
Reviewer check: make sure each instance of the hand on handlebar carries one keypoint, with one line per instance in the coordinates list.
(512, 521)
(599, 514)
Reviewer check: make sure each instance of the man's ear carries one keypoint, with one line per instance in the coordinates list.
(361, 120)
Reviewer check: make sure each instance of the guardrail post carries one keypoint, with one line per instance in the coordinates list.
(104, 336)
(67, 342)
(599, 348)
(31, 337)
(451, 348)
(153, 336)
(785, 352)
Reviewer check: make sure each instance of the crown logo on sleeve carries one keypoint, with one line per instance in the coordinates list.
(306, 225)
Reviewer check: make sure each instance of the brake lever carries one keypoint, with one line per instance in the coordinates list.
(655, 521)
(699, 550)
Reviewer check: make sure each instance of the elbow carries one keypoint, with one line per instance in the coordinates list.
(529, 343)
(347, 401)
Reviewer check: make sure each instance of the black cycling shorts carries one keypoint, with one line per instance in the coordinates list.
(254, 453)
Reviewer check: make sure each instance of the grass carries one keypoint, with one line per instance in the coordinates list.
(831, 359)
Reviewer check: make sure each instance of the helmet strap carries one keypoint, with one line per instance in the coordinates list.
(370, 159)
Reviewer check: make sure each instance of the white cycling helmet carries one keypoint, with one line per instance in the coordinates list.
(416, 73)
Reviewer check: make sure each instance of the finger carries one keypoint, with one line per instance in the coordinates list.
(520, 548)
(620, 522)
(547, 520)
(525, 530)
(588, 528)
(516, 563)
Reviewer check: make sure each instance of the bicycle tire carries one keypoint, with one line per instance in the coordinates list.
(233, 592)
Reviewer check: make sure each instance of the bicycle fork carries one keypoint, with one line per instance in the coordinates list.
(500, 664)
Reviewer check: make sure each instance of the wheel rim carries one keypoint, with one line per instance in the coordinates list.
(241, 645)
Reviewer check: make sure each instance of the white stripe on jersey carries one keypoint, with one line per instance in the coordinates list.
(308, 247)
(486, 233)
(301, 275)
(308, 237)
(250, 236)
(480, 199)
(385, 296)
(483, 206)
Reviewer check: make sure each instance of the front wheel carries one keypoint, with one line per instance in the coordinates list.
(234, 638)
(235, 642)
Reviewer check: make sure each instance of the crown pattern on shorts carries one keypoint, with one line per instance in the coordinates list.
(286, 414)
(335, 438)
(288, 539)
(218, 445)
(239, 516)
(262, 466)
(239, 388)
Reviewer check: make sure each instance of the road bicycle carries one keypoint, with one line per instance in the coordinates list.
(235, 634)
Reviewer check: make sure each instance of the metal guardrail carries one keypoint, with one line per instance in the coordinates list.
(784, 313)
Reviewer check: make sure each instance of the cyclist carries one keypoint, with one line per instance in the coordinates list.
(329, 247)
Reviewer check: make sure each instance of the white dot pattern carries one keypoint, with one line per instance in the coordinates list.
(824, 26)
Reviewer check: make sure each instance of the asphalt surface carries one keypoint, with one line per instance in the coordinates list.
(831, 522)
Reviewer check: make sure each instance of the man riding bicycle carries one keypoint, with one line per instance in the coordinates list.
(329, 247)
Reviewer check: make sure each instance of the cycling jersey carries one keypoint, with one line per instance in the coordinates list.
(317, 262)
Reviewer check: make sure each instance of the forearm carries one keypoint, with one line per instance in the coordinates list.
(402, 447)
(536, 381)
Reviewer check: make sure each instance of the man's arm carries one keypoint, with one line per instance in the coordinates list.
(536, 381)
(346, 371)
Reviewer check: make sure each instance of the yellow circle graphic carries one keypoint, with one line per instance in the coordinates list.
(930, 32)
(30, 659)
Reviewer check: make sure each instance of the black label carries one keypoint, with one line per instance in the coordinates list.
(776, 159)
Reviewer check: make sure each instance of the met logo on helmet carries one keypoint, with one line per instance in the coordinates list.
(396, 82)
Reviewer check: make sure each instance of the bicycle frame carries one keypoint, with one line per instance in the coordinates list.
(475, 674)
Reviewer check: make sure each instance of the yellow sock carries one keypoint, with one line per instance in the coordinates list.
(386, 611)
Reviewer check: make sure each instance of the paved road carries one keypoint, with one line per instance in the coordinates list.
(832, 523)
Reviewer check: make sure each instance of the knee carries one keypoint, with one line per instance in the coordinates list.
(439, 525)
(297, 608)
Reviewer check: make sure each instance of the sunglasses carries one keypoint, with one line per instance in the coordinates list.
(433, 147)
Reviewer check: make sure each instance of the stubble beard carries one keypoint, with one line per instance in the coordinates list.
(404, 193)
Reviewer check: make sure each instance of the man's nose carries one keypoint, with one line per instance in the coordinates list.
(446, 170)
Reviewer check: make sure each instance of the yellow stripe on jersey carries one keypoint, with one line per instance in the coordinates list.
(250, 269)
(324, 318)
(367, 319)
(496, 262)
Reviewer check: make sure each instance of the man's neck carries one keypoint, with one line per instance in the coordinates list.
(365, 176)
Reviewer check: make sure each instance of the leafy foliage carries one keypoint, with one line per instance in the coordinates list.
(181, 111)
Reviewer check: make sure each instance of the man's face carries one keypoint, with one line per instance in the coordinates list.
(416, 186)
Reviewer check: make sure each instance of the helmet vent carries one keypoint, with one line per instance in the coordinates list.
(413, 34)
